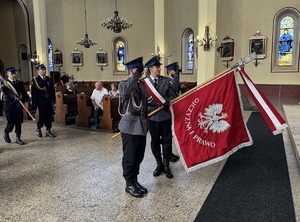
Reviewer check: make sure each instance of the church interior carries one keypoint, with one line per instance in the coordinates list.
(77, 176)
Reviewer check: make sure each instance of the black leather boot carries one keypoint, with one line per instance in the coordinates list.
(159, 169)
(6, 137)
(49, 134)
(140, 187)
(39, 132)
(133, 190)
(167, 169)
(174, 158)
(18, 139)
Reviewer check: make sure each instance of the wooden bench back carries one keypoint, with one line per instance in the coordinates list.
(84, 110)
(66, 105)
(111, 116)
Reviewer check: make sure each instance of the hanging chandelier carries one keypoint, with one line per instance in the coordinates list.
(116, 23)
(86, 42)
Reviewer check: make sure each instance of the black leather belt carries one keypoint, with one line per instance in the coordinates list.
(141, 114)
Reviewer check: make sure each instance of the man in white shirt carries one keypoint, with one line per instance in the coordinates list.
(96, 98)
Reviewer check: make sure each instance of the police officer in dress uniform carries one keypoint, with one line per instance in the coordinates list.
(14, 91)
(133, 126)
(173, 74)
(160, 123)
(43, 96)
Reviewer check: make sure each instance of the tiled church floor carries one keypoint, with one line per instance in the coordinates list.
(78, 177)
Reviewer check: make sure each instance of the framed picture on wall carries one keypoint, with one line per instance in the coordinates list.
(257, 44)
(77, 57)
(101, 57)
(58, 60)
(227, 49)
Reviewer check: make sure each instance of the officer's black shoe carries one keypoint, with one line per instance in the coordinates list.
(167, 169)
(168, 172)
(173, 156)
(158, 171)
(39, 132)
(133, 191)
(19, 141)
(6, 138)
(172, 159)
(141, 188)
(49, 134)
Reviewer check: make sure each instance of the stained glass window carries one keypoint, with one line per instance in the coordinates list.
(120, 51)
(187, 48)
(190, 51)
(286, 38)
(286, 33)
(50, 56)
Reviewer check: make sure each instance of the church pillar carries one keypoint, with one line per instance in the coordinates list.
(40, 24)
(160, 28)
(207, 16)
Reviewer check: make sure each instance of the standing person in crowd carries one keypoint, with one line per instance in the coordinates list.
(96, 98)
(173, 74)
(43, 96)
(64, 78)
(114, 92)
(133, 126)
(14, 91)
(160, 123)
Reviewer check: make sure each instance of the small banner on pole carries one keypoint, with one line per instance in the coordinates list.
(272, 117)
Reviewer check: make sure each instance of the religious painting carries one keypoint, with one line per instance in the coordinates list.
(77, 57)
(58, 61)
(101, 57)
(257, 44)
(227, 49)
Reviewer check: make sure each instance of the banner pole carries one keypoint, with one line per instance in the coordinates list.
(22, 104)
(240, 63)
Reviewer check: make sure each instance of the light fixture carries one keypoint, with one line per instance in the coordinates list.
(207, 40)
(35, 59)
(159, 54)
(116, 23)
(86, 42)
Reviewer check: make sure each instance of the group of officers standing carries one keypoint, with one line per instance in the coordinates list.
(43, 96)
(134, 124)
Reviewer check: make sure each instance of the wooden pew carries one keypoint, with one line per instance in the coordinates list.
(111, 116)
(84, 110)
(66, 105)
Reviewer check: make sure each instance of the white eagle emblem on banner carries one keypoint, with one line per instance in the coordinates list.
(213, 119)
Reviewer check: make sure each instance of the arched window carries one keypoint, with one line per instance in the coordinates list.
(120, 54)
(50, 56)
(187, 57)
(285, 54)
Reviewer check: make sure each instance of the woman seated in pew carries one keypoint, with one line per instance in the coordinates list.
(114, 92)
(70, 89)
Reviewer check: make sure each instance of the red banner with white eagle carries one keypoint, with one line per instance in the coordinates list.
(208, 123)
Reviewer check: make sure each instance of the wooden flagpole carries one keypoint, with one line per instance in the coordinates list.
(240, 63)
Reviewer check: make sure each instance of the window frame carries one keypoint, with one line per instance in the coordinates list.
(184, 52)
(294, 13)
(114, 56)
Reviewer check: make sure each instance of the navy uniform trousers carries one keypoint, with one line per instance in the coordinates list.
(133, 155)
